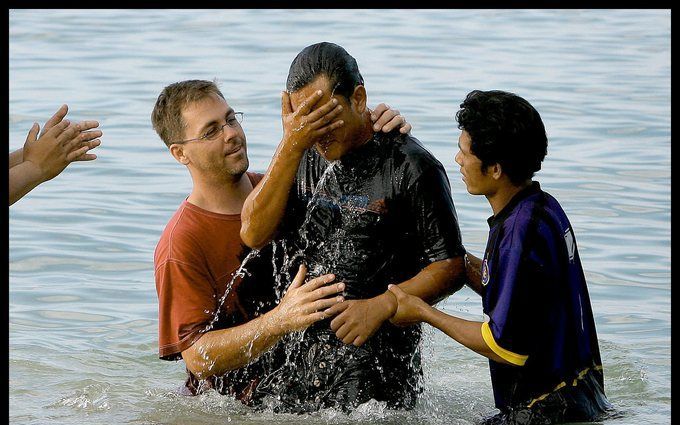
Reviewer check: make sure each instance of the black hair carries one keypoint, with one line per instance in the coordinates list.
(327, 59)
(504, 128)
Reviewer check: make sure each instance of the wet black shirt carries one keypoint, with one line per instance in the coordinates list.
(377, 216)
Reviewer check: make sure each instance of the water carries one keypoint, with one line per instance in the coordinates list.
(82, 302)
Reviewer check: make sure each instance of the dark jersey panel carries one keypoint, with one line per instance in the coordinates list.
(537, 302)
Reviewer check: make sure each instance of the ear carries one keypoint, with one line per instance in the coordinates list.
(496, 171)
(358, 99)
(178, 152)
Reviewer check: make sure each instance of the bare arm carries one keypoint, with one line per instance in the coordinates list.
(473, 272)
(219, 351)
(264, 208)
(412, 309)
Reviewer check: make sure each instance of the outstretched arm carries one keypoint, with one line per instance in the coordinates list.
(412, 310)
(358, 320)
(43, 158)
(217, 352)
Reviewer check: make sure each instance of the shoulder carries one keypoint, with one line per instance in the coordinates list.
(180, 238)
(411, 158)
(537, 224)
(254, 177)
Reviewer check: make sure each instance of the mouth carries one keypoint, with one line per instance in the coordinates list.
(234, 150)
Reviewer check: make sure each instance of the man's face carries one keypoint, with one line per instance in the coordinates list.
(337, 143)
(224, 154)
(476, 182)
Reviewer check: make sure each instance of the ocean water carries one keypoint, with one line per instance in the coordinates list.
(82, 301)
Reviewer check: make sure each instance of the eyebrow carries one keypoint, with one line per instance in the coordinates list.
(209, 124)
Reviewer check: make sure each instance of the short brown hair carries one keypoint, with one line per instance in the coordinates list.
(167, 113)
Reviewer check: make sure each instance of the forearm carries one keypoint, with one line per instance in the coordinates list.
(264, 208)
(16, 157)
(22, 179)
(473, 273)
(466, 332)
(220, 351)
(436, 281)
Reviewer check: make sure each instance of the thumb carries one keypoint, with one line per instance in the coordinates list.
(33, 133)
(286, 108)
(396, 290)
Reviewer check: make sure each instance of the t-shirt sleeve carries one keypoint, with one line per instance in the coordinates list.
(523, 295)
(186, 306)
(429, 198)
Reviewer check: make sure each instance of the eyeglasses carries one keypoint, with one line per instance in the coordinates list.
(216, 131)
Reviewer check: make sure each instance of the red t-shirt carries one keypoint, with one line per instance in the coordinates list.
(194, 261)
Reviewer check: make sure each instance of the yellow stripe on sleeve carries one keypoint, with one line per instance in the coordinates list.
(516, 359)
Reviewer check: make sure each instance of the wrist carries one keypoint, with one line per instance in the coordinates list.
(276, 323)
(389, 301)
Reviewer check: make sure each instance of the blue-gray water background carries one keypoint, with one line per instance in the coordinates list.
(82, 300)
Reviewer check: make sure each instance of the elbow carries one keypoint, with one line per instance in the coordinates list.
(198, 364)
(250, 238)
(456, 278)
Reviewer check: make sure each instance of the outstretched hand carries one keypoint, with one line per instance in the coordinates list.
(61, 144)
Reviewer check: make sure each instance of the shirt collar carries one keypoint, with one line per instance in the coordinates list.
(533, 188)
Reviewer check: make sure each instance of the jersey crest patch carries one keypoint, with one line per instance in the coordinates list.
(485, 272)
(571, 244)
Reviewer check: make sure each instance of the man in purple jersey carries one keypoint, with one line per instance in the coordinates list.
(538, 333)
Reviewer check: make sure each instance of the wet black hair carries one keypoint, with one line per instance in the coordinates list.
(327, 59)
(504, 128)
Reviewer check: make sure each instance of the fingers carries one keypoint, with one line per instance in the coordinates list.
(69, 135)
(56, 129)
(309, 103)
(344, 332)
(55, 119)
(337, 308)
(88, 125)
(286, 107)
(72, 156)
(320, 281)
(327, 128)
(325, 291)
(325, 303)
(397, 291)
(384, 119)
(86, 157)
(406, 128)
(299, 277)
(325, 113)
(33, 133)
(378, 111)
(359, 341)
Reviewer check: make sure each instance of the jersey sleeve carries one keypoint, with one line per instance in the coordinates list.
(186, 306)
(429, 198)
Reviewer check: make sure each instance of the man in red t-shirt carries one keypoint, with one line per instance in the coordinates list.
(218, 321)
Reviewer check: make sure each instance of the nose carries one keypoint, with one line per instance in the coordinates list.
(230, 133)
(458, 159)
